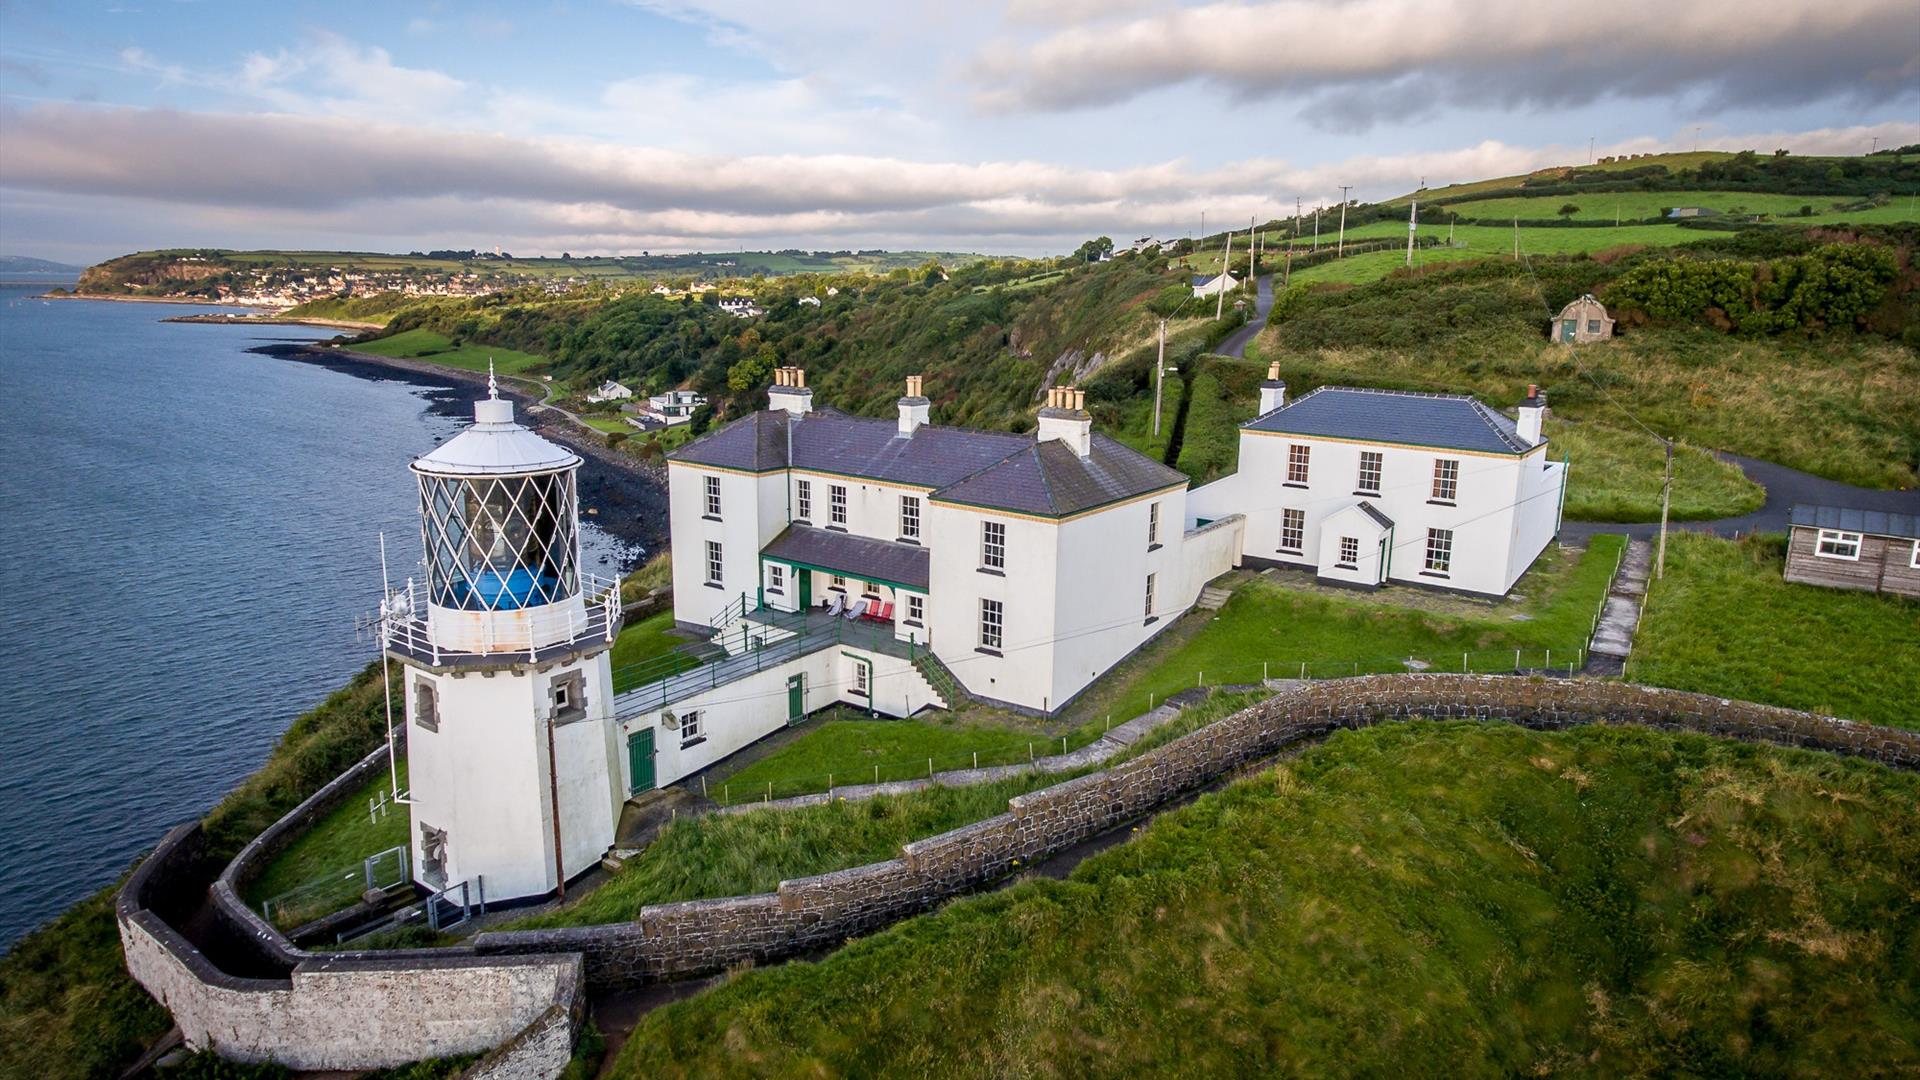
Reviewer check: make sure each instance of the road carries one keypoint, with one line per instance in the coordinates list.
(1236, 343)
(1785, 487)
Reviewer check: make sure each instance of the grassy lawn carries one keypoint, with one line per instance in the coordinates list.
(610, 425)
(435, 348)
(1725, 622)
(1336, 632)
(853, 750)
(1616, 475)
(328, 856)
(739, 854)
(642, 641)
(1418, 899)
(1628, 205)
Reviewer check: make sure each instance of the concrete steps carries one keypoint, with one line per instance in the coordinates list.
(1212, 598)
(1620, 617)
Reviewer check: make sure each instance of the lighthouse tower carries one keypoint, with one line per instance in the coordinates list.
(505, 653)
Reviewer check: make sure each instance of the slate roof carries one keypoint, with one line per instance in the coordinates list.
(1379, 518)
(855, 556)
(1443, 421)
(1847, 519)
(994, 469)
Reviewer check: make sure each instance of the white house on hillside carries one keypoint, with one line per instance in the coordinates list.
(610, 391)
(1368, 487)
(1217, 283)
(740, 307)
(674, 406)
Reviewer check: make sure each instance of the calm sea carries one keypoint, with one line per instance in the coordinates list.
(188, 533)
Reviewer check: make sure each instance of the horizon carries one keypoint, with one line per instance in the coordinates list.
(728, 125)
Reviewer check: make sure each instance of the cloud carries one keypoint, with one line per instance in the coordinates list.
(314, 180)
(1355, 62)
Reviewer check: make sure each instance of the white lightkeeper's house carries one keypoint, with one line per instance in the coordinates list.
(1370, 487)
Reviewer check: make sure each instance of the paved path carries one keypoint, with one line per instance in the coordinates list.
(1620, 616)
(1784, 488)
(1236, 343)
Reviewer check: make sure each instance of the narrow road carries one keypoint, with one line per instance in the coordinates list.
(1236, 343)
(1784, 488)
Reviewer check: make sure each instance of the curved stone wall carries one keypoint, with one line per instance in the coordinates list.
(699, 937)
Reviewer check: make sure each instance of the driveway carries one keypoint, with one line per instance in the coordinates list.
(1784, 488)
(1236, 343)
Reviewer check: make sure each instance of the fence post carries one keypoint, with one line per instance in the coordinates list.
(1548, 663)
(1516, 659)
(929, 768)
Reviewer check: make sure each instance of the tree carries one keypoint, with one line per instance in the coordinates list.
(1093, 249)
(1566, 212)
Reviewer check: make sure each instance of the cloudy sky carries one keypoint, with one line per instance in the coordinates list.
(995, 125)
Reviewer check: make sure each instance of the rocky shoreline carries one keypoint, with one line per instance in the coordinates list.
(622, 496)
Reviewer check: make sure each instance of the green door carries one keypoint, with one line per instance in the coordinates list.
(796, 698)
(1567, 329)
(640, 760)
(806, 586)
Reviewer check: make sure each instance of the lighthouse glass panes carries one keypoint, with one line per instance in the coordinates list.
(500, 543)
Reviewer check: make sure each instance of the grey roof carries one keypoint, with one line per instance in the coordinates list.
(855, 556)
(994, 469)
(1048, 478)
(1379, 518)
(1445, 421)
(1847, 519)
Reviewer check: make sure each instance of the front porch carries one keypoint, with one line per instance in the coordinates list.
(823, 573)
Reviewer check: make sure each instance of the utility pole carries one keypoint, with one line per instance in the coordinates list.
(1203, 226)
(1159, 377)
(1316, 230)
(1413, 226)
(1341, 251)
(1219, 285)
(1253, 254)
(553, 792)
(1589, 149)
(1516, 238)
(1666, 495)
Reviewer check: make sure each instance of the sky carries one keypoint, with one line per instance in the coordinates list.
(999, 126)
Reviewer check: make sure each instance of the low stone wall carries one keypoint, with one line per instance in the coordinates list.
(670, 941)
(341, 1012)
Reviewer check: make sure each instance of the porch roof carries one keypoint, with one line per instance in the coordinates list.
(885, 561)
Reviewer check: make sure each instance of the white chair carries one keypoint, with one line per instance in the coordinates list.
(835, 604)
(858, 609)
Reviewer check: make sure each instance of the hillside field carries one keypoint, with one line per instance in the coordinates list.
(421, 344)
(1474, 899)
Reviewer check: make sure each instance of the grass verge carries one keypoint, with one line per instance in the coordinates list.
(852, 749)
(1724, 621)
(327, 858)
(1478, 899)
(421, 344)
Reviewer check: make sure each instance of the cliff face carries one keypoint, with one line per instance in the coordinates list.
(151, 273)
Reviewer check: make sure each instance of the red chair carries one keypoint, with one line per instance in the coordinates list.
(881, 613)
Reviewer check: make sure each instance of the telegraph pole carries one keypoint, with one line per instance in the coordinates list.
(1219, 285)
(1159, 377)
(1253, 253)
(1316, 230)
(1413, 226)
(1666, 495)
(1341, 251)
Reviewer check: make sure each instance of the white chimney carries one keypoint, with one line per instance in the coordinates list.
(913, 407)
(1273, 392)
(1532, 411)
(1065, 418)
(789, 391)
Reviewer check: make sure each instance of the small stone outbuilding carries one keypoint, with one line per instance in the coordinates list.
(1582, 321)
(1844, 548)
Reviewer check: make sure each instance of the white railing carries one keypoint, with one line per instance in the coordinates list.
(407, 623)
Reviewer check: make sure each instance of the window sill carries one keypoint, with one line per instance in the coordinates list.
(709, 517)
(907, 540)
(715, 585)
(915, 623)
(1346, 566)
(1151, 619)
(1292, 484)
(1289, 551)
(836, 528)
(1441, 502)
(689, 744)
(776, 592)
(1151, 548)
(1433, 574)
(1368, 494)
(987, 651)
(990, 570)
(802, 521)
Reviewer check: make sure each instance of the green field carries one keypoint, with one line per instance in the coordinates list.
(436, 348)
(1675, 162)
(864, 751)
(1616, 474)
(1631, 205)
(610, 425)
(1418, 899)
(1724, 621)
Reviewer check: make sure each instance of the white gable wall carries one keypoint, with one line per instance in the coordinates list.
(1023, 672)
(1100, 594)
(753, 510)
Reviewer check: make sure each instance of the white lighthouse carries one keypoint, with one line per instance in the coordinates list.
(505, 649)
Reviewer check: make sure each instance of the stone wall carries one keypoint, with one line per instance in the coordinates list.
(670, 941)
(336, 1012)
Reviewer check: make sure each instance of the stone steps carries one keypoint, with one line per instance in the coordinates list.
(1620, 616)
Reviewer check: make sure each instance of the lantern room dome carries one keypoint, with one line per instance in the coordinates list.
(496, 445)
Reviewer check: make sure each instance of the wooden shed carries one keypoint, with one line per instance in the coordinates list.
(1582, 321)
(1843, 548)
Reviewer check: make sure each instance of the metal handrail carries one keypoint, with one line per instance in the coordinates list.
(405, 623)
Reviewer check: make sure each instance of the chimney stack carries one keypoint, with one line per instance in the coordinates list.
(913, 408)
(1273, 392)
(1533, 412)
(789, 391)
(1065, 418)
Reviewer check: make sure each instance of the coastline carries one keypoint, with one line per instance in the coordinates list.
(260, 314)
(621, 495)
(223, 319)
(119, 298)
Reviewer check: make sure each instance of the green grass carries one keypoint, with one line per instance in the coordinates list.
(1616, 475)
(1336, 633)
(740, 854)
(610, 425)
(1724, 621)
(861, 751)
(642, 641)
(421, 344)
(333, 848)
(1630, 205)
(1419, 899)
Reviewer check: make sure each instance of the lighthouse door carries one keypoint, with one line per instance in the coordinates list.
(640, 761)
